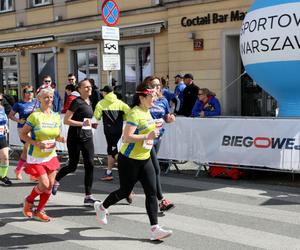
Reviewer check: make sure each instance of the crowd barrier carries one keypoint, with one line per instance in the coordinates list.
(271, 143)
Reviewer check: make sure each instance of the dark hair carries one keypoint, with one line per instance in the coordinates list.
(46, 76)
(71, 74)
(164, 82)
(70, 87)
(145, 85)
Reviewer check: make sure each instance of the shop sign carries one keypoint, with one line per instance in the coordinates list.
(213, 18)
(111, 62)
(198, 44)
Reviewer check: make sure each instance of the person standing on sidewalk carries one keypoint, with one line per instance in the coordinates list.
(43, 125)
(134, 162)
(4, 158)
(113, 111)
(80, 139)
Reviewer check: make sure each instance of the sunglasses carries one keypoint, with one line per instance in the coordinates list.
(47, 81)
(28, 92)
(71, 79)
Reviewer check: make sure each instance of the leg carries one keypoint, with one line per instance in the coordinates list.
(74, 154)
(157, 173)
(128, 174)
(87, 149)
(148, 181)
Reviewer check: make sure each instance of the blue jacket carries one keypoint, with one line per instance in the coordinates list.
(211, 108)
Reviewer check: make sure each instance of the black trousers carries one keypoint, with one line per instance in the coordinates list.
(87, 150)
(131, 171)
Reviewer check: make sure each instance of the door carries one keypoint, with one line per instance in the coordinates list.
(44, 65)
(136, 65)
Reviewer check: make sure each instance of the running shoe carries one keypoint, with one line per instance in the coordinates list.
(129, 198)
(159, 233)
(41, 216)
(101, 212)
(107, 177)
(27, 208)
(89, 201)
(19, 174)
(165, 205)
(6, 181)
(55, 188)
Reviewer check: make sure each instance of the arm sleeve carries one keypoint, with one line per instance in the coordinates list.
(217, 109)
(98, 111)
(31, 120)
(132, 119)
(196, 109)
(74, 105)
(125, 109)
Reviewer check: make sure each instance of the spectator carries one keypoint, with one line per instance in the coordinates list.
(190, 94)
(56, 106)
(71, 95)
(95, 96)
(180, 86)
(207, 104)
(165, 89)
(71, 80)
(113, 112)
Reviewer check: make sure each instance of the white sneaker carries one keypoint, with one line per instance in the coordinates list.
(101, 213)
(159, 233)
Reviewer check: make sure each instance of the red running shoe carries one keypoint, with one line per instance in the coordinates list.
(165, 205)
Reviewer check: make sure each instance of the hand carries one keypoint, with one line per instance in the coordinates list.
(154, 134)
(60, 139)
(41, 145)
(86, 123)
(22, 121)
(202, 114)
(170, 118)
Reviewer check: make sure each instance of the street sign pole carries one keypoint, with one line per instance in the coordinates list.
(110, 35)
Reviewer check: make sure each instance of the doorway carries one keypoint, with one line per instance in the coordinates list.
(241, 95)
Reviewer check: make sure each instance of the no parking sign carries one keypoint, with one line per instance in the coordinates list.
(110, 12)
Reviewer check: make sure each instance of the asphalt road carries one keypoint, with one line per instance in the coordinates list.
(210, 213)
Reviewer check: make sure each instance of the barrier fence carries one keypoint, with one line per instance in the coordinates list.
(257, 142)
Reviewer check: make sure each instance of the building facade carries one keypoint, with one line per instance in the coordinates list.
(160, 37)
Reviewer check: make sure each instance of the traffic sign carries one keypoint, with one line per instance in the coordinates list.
(111, 62)
(110, 12)
(111, 46)
(110, 33)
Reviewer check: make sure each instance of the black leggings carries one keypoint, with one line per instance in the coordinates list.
(131, 171)
(156, 166)
(87, 150)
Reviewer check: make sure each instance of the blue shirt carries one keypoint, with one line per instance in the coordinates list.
(160, 108)
(179, 91)
(3, 123)
(24, 109)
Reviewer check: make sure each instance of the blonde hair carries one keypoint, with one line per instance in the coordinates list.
(207, 92)
(45, 89)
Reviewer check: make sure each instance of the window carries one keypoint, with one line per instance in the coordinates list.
(86, 64)
(44, 65)
(6, 5)
(40, 2)
(9, 81)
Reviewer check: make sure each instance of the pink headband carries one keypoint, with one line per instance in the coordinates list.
(146, 92)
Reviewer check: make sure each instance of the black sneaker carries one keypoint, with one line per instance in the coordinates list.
(89, 201)
(129, 198)
(6, 181)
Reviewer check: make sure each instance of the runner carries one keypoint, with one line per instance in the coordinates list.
(134, 162)
(23, 108)
(44, 127)
(80, 139)
(4, 159)
(113, 112)
(160, 112)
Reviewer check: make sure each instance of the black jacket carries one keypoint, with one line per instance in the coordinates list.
(190, 95)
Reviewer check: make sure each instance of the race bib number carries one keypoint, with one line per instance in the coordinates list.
(50, 146)
(148, 144)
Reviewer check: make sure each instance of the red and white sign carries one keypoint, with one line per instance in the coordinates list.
(110, 12)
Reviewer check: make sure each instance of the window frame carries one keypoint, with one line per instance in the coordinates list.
(8, 10)
(33, 4)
